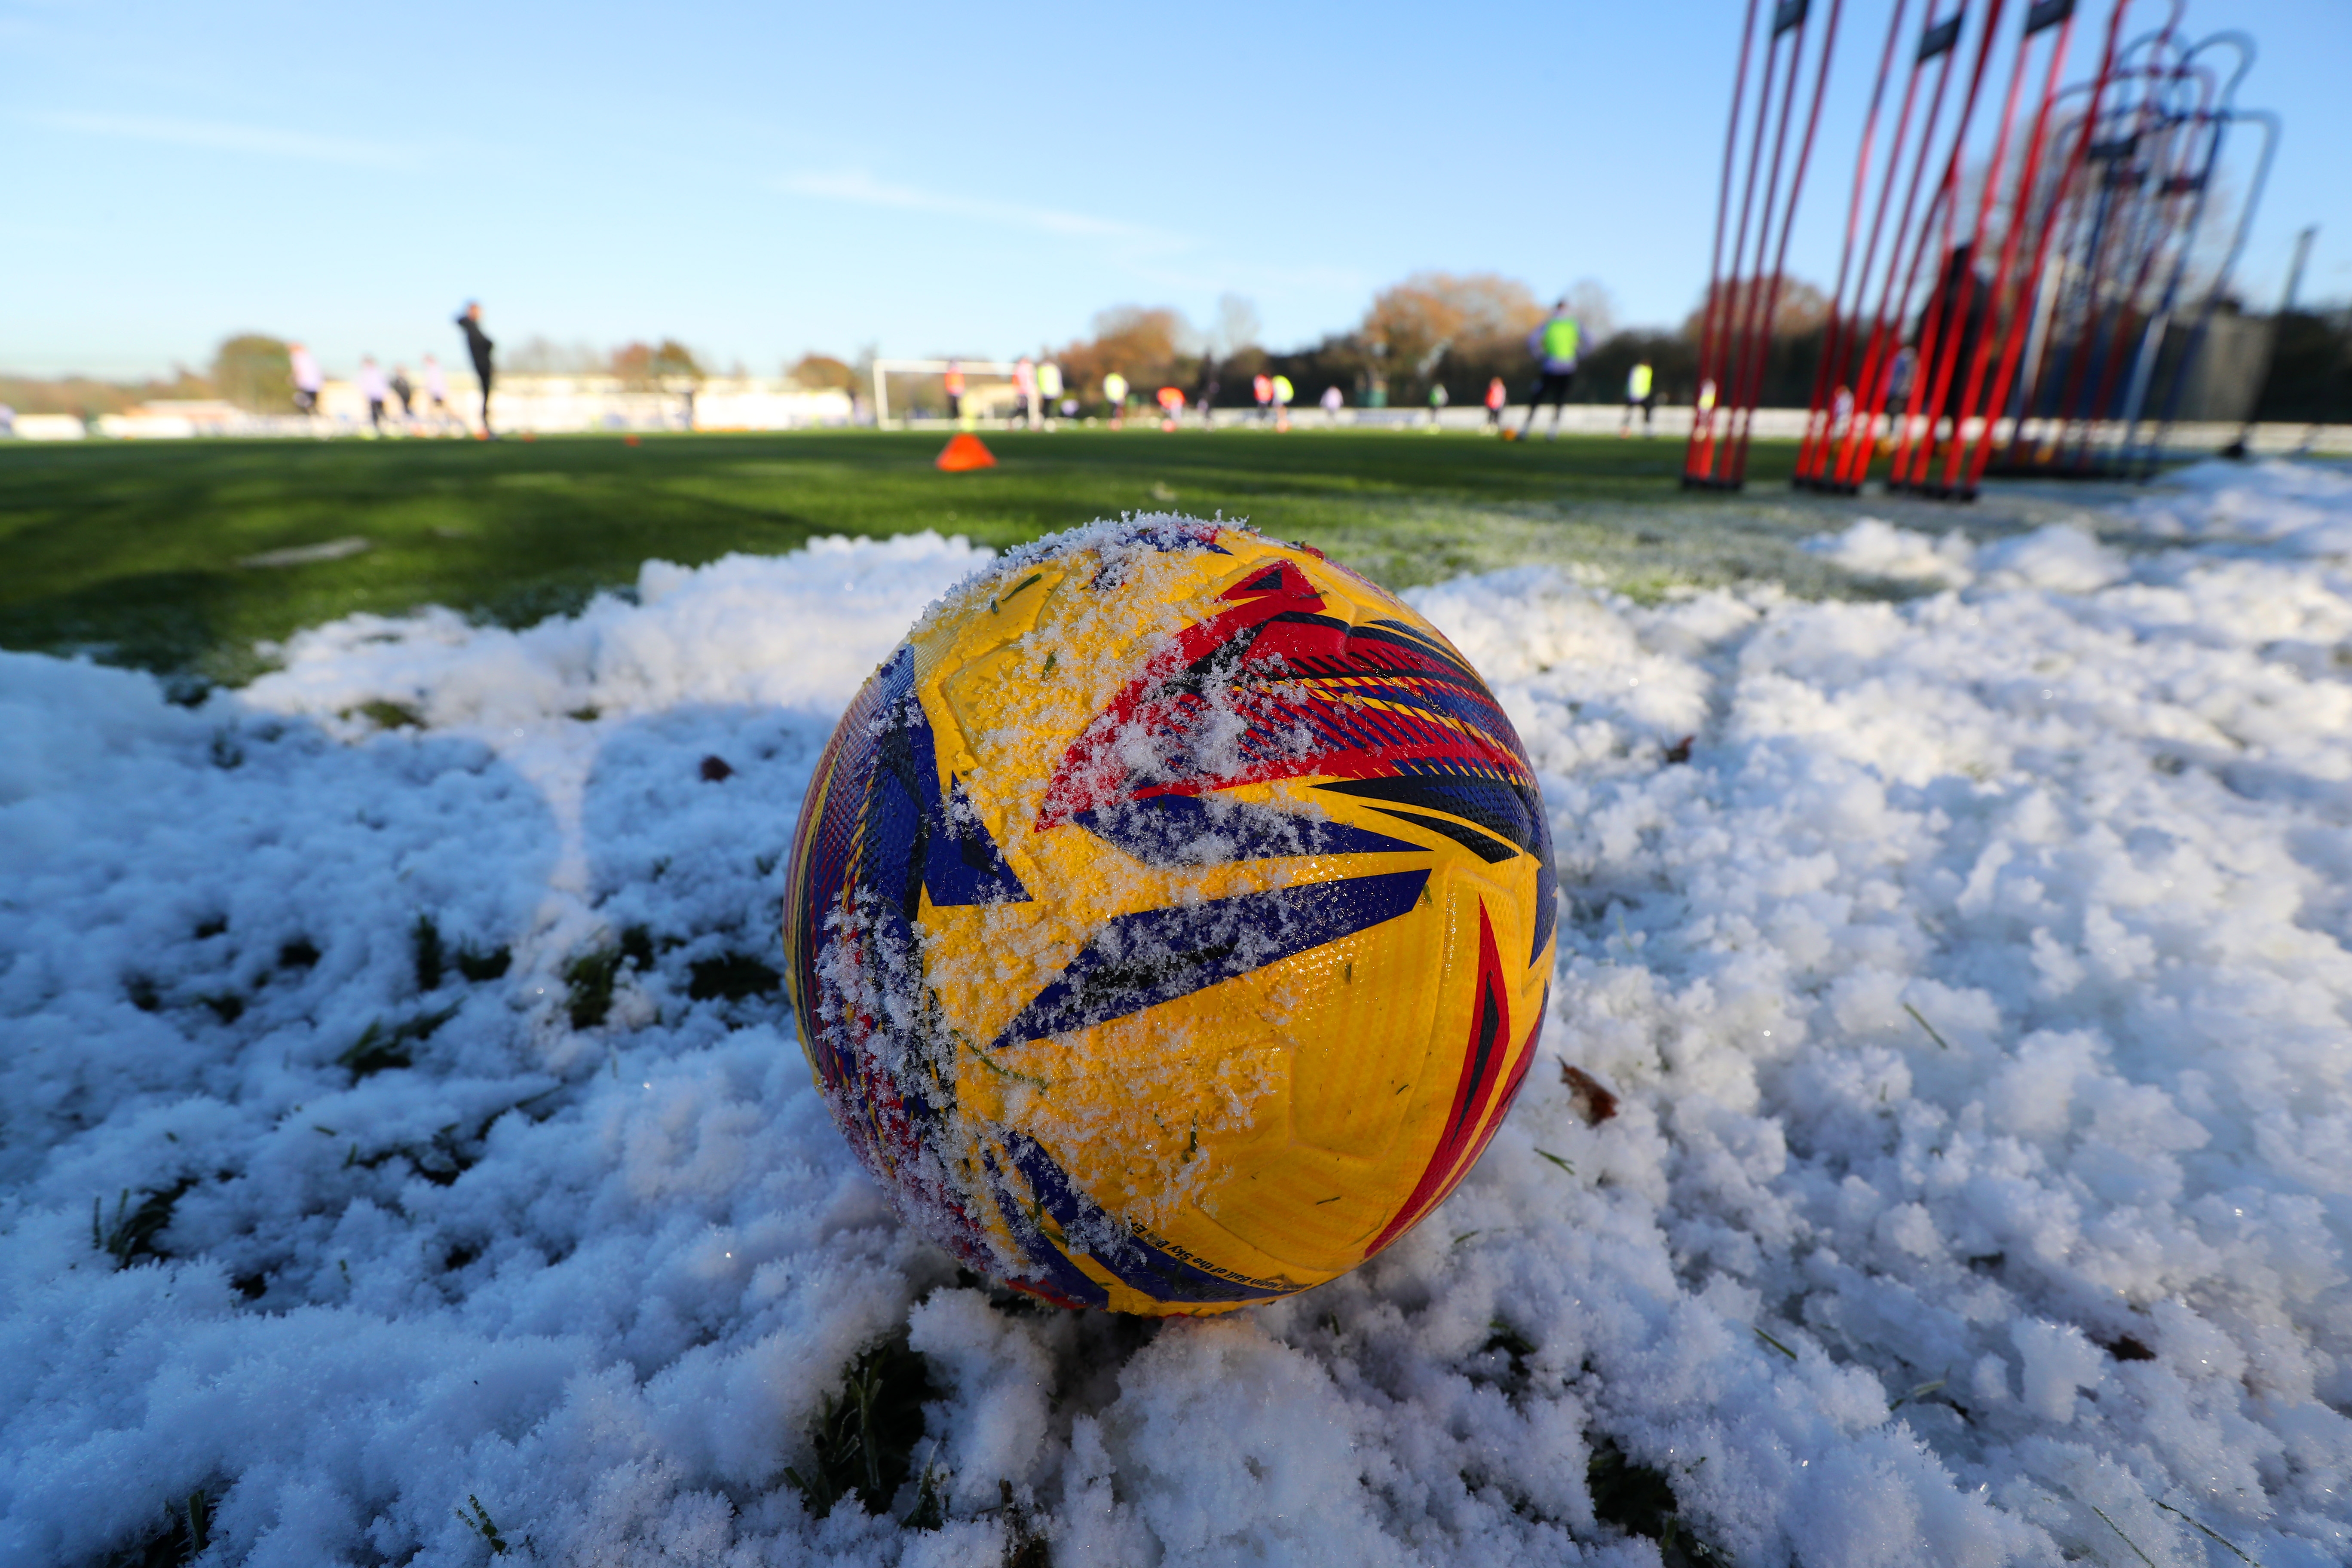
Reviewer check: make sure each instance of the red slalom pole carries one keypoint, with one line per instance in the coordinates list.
(2074, 164)
(1938, 41)
(1755, 339)
(1747, 411)
(1698, 453)
(1962, 457)
(1721, 354)
(1821, 416)
(1932, 364)
(1965, 289)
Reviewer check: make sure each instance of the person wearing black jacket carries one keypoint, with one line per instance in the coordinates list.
(478, 346)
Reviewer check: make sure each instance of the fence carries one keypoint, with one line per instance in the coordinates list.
(548, 405)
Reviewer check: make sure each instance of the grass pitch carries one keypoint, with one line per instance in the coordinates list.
(181, 557)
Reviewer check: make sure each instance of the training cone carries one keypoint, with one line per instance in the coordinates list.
(964, 451)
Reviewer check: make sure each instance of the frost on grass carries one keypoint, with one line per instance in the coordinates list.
(1971, 985)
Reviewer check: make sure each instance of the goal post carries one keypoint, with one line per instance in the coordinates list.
(885, 368)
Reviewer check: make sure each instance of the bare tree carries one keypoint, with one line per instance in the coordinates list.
(1595, 309)
(1238, 324)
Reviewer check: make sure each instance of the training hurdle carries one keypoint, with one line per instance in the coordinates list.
(2030, 270)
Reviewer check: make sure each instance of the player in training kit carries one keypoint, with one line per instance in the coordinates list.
(376, 389)
(478, 346)
(1024, 387)
(1554, 345)
(437, 393)
(1049, 389)
(1641, 392)
(304, 367)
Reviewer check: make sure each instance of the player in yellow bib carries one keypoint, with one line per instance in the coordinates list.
(1641, 392)
(1554, 345)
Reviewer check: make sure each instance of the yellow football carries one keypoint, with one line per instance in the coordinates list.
(1169, 919)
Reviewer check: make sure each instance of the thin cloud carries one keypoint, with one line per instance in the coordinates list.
(211, 135)
(864, 190)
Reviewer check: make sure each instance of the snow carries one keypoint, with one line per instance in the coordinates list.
(2295, 508)
(1974, 991)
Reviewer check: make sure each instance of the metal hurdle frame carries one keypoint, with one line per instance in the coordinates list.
(2142, 461)
(2123, 231)
(1999, 361)
(1936, 451)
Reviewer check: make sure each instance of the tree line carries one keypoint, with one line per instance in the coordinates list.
(1457, 331)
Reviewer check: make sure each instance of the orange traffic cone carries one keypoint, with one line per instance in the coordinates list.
(964, 451)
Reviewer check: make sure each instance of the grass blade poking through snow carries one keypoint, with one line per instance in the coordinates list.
(425, 948)
(865, 1435)
(482, 1525)
(1640, 1500)
(2127, 1539)
(133, 1235)
(1923, 1023)
(2232, 1550)
(1921, 1391)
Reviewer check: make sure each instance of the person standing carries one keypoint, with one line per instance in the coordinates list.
(1207, 389)
(1894, 416)
(304, 367)
(1049, 389)
(437, 392)
(406, 390)
(1334, 400)
(954, 382)
(1282, 393)
(1554, 345)
(1641, 392)
(1262, 389)
(1024, 385)
(1114, 394)
(478, 346)
(373, 388)
(1497, 395)
(1438, 398)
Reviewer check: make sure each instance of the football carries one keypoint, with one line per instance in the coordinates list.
(1169, 919)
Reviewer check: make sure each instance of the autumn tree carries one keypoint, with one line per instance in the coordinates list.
(822, 373)
(639, 365)
(545, 356)
(1799, 309)
(1413, 324)
(1782, 375)
(251, 369)
(1148, 345)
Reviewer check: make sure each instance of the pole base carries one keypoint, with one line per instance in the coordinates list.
(1934, 490)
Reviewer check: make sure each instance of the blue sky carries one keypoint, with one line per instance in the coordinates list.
(760, 180)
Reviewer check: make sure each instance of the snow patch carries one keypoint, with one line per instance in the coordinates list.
(1872, 548)
(1972, 973)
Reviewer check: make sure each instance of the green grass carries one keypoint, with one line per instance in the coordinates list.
(134, 554)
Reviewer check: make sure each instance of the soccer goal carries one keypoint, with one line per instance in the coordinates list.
(885, 368)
